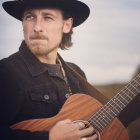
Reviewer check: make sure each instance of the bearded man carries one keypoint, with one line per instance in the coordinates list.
(35, 81)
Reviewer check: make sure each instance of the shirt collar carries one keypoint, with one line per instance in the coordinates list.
(34, 66)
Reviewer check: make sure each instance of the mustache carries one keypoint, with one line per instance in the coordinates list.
(38, 36)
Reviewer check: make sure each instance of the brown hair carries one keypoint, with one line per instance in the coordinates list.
(66, 42)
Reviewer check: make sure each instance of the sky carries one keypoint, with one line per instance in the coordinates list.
(106, 46)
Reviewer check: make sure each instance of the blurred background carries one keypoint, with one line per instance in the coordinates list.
(106, 46)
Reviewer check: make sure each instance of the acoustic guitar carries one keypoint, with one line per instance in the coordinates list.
(84, 107)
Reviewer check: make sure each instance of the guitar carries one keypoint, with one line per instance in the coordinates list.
(84, 107)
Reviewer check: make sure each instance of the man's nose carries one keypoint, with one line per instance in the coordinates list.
(38, 26)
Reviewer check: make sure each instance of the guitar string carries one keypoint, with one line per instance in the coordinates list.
(63, 72)
(117, 94)
(136, 82)
(97, 119)
(99, 113)
(101, 126)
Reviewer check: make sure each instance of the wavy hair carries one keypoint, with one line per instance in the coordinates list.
(66, 42)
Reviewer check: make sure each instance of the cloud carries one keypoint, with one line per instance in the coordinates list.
(106, 46)
(101, 75)
(108, 42)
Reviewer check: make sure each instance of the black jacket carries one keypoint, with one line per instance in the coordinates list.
(30, 89)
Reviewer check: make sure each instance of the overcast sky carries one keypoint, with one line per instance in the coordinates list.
(106, 46)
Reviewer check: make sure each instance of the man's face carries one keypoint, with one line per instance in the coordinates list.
(43, 30)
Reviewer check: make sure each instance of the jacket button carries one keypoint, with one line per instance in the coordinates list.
(46, 97)
(67, 95)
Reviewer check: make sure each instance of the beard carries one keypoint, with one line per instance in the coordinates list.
(40, 48)
(41, 45)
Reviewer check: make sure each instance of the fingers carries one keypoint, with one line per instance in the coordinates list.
(66, 129)
(83, 138)
(86, 132)
(83, 131)
(80, 125)
(94, 137)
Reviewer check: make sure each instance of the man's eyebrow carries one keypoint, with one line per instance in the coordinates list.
(28, 12)
(45, 13)
(48, 14)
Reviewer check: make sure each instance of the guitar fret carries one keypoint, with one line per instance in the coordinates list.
(131, 92)
(97, 117)
(112, 108)
(101, 122)
(131, 95)
(104, 124)
(105, 113)
(116, 105)
(122, 105)
(109, 114)
(136, 82)
(103, 118)
(109, 111)
(124, 99)
(96, 123)
(129, 98)
(105, 108)
(115, 108)
(135, 86)
(96, 126)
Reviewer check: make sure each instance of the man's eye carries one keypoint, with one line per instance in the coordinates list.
(48, 18)
(29, 17)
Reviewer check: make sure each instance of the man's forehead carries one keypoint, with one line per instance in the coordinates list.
(43, 10)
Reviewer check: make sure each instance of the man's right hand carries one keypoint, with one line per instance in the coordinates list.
(67, 130)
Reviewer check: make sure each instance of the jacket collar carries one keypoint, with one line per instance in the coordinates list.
(34, 66)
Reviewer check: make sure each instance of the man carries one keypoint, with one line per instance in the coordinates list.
(35, 82)
(36, 85)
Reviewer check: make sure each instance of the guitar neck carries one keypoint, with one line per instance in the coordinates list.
(112, 108)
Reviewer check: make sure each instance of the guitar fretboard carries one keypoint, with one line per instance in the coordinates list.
(112, 108)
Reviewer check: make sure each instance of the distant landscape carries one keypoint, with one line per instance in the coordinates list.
(109, 91)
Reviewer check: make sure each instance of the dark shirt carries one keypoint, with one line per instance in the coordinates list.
(30, 89)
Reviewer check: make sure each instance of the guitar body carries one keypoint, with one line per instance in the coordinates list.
(77, 107)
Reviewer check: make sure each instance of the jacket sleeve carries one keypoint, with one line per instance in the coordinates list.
(10, 104)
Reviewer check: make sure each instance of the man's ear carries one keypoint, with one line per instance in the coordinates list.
(67, 25)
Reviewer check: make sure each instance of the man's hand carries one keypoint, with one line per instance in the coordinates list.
(67, 130)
